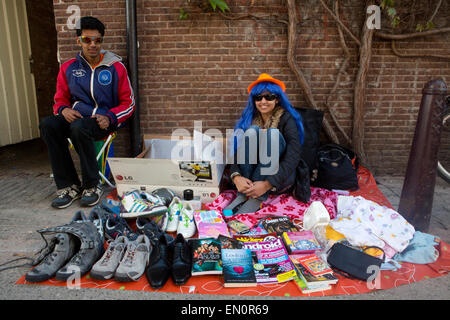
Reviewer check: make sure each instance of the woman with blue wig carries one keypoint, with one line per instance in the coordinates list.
(267, 145)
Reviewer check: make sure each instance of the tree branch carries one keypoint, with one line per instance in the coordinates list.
(416, 55)
(338, 77)
(390, 36)
(292, 41)
(340, 23)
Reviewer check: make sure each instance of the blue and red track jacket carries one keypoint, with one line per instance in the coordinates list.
(105, 89)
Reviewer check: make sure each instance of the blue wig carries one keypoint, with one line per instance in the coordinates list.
(247, 115)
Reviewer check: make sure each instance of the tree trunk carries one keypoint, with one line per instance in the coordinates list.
(292, 42)
(365, 53)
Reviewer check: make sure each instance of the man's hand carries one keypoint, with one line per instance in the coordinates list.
(102, 121)
(242, 183)
(258, 189)
(71, 115)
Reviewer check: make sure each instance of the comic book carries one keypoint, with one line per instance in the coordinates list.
(210, 224)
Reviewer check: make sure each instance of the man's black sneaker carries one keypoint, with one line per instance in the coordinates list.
(91, 196)
(65, 197)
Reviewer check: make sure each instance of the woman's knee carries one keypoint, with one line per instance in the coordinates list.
(50, 124)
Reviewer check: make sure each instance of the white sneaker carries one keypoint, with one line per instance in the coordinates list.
(186, 225)
(174, 211)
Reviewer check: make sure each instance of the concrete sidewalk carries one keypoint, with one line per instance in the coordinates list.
(26, 191)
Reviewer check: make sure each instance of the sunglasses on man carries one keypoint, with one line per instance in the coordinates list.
(268, 97)
(88, 40)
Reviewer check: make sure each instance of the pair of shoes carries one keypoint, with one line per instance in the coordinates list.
(66, 196)
(116, 226)
(169, 260)
(77, 246)
(139, 204)
(181, 218)
(64, 249)
(125, 260)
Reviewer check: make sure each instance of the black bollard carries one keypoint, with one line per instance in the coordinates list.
(416, 200)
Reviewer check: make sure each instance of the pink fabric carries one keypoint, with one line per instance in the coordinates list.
(282, 205)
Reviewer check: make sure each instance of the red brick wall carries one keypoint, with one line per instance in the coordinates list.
(199, 68)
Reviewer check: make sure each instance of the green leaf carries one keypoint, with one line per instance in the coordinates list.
(222, 5)
(183, 14)
(430, 25)
(219, 3)
(213, 4)
(419, 27)
(395, 21)
(392, 12)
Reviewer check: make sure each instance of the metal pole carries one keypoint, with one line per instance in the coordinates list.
(416, 199)
(135, 126)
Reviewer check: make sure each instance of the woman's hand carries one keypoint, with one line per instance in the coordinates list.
(102, 121)
(258, 189)
(242, 184)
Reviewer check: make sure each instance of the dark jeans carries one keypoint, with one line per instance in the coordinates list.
(253, 166)
(82, 132)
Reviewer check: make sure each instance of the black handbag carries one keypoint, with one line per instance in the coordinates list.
(302, 188)
(337, 168)
(353, 262)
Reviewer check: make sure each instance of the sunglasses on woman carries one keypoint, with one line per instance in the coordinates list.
(88, 40)
(268, 97)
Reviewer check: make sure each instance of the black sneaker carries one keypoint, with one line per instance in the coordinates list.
(91, 196)
(116, 226)
(65, 197)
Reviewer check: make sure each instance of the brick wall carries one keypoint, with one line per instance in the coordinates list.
(199, 68)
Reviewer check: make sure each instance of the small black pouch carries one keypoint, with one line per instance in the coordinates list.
(353, 262)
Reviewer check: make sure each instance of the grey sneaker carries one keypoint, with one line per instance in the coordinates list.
(64, 249)
(91, 196)
(105, 268)
(66, 196)
(133, 264)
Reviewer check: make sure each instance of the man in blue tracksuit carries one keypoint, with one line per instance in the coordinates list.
(93, 98)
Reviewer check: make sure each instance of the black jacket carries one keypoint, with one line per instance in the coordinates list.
(289, 160)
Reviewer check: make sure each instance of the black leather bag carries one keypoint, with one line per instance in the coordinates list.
(353, 262)
(337, 168)
(302, 188)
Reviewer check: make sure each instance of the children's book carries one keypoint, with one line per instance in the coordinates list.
(300, 242)
(308, 278)
(278, 224)
(271, 261)
(315, 265)
(210, 224)
(238, 268)
(229, 243)
(206, 256)
(255, 238)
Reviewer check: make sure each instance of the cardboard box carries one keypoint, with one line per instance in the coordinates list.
(173, 164)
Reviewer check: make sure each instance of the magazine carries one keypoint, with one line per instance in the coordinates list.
(206, 256)
(299, 242)
(271, 261)
(238, 268)
(278, 224)
(210, 224)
